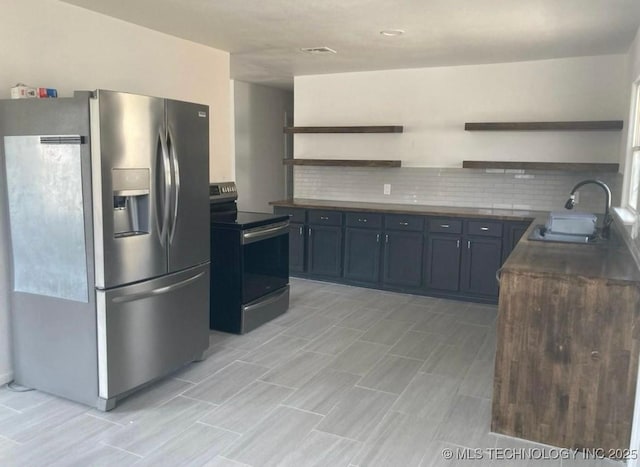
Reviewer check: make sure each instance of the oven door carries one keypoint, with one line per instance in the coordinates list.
(265, 260)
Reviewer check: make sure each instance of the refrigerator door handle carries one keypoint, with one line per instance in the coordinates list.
(166, 169)
(158, 291)
(176, 183)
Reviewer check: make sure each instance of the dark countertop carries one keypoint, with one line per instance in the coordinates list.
(417, 209)
(612, 261)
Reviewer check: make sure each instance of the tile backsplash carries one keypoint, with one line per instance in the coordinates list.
(526, 190)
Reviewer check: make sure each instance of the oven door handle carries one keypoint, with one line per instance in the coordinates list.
(262, 233)
(270, 298)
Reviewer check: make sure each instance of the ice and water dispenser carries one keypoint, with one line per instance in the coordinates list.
(130, 202)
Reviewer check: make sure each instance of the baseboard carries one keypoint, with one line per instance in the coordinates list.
(6, 378)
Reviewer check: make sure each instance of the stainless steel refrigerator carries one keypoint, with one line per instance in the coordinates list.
(105, 196)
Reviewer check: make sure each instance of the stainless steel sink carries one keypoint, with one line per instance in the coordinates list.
(542, 234)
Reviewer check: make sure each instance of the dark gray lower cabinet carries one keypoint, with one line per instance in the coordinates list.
(448, 257)
(513, 231)
(463, 264)
(402, 263)
(362, 255)
(443, 262)
(324, 250)
(481, 259)
(296, 247)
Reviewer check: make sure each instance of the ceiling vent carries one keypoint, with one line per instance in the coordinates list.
(318, 50)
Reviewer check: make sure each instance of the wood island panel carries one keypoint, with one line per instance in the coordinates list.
(567, 359)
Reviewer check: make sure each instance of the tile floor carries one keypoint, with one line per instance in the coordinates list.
(348, 377)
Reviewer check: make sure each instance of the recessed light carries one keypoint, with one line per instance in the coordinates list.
(318, 50)
(392, 32)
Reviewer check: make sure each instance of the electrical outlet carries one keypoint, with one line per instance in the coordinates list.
(387, 189)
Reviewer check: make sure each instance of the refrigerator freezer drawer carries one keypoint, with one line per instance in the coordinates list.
(149, 329)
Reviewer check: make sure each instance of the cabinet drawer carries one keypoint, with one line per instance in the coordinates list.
(487, 229)
(364, 220)
(325, 217)
(296, 215)
(445, 226)
(402, 222)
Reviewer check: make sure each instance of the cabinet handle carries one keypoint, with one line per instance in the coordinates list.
(386, 238)
(309, 231)
(498, 273)
(484, 228)
(404, 223)
(378, 238)
(324, 218)
(301, 231)
(458, 243)
(468, 244)
(445, 226)
(362, 220)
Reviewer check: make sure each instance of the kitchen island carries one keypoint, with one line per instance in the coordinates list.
(568, 340)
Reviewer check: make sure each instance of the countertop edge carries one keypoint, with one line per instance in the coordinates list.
(514, 263)
(412, 209)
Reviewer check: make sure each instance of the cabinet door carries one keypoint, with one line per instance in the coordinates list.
(402, 259)
(296, 247)
(513, 231)
(324, 248)
(443, 262)
(362, 255)
(480, 261)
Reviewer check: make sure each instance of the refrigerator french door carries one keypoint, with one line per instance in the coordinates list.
(150, 159)
(151, 186)
(140, 190)
(187, 132)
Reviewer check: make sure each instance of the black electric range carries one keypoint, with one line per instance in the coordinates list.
(249, 263)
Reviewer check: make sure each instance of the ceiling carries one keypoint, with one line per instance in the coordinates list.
(264, 37)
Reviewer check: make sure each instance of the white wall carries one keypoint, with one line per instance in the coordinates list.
(259, 144)
(52, 44)
(434, 103)
(634, 58)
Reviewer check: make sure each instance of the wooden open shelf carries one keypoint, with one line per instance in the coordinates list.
(601, 125)
(344, 129)
(563, 166)
(343, 162)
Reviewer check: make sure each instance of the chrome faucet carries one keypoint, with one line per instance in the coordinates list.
(606, 222)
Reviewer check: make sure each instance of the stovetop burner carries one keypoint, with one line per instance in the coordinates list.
(224, 210)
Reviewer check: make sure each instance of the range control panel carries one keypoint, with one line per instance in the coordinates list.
(222, 192)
